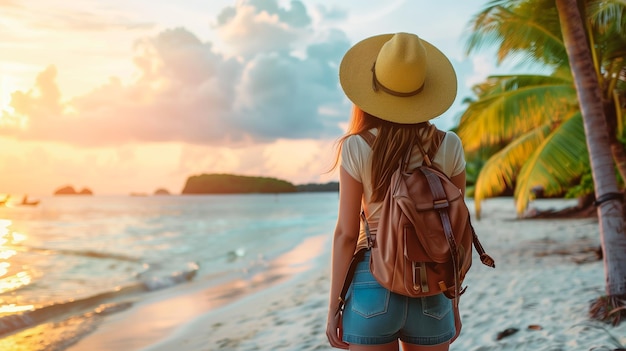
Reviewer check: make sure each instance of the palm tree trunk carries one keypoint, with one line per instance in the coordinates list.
(612, 236)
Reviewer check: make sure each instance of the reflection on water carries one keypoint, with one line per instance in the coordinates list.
(11, 278)
(61, 262)
(13, 308)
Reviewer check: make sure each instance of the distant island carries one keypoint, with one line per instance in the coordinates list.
(69, 190)
(161, 191)
(238, 184)
(235, 184)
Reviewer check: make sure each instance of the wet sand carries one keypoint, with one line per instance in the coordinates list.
(538, 296)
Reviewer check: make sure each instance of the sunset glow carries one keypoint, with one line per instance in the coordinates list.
(124, 96)
(11, 278)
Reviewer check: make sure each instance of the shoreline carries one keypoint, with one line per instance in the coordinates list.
(168, 313)
(539, 292)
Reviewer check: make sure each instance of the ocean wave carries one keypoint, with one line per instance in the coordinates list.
(69, 252)
(97, 304)
(155, 277)
(59, 334)
(235, 254)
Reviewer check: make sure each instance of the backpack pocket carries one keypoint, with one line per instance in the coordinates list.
(413, 250)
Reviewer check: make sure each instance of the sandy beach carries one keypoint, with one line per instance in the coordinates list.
(546, 275)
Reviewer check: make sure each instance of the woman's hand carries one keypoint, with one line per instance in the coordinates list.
(334, 331)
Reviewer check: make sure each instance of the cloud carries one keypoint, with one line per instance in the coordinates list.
(258, 26)
(282, 96)
(482, 67)
(87, 21)
(9, 3)
(296, 15)
(187, 91)
(70, 19)
(332, 14)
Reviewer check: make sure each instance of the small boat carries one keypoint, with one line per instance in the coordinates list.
(26, 202)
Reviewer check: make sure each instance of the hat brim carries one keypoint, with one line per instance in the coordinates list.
(437, 95)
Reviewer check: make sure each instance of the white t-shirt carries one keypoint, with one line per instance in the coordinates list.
(357, 161)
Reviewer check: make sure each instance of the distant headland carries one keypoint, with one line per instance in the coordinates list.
(69, 190)
(238, 184)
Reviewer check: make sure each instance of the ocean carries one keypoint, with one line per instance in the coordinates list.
(72, 259)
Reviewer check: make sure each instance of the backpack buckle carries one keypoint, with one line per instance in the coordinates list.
(420, 279)
(371, 240)
(439, 204)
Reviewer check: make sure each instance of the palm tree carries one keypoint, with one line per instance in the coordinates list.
(531, 123)
(538, 120)
(609, 200)
(519, 104)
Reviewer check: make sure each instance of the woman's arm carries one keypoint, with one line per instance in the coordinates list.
(344, 244)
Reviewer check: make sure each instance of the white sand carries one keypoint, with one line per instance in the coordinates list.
(534, 283)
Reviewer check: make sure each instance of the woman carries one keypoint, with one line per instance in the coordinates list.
(397, 83)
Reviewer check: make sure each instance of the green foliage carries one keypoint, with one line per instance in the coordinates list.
(584, 187)
(235, 184)
(510, 106)
(526, 29)
(526, 131)
(500, 171)
(315, 187)
(472, 169)
(555, 164)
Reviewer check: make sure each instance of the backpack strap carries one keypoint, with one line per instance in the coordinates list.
(484, 257)
(436, 142)
(368, 136)
(356, 258)
(434, 147)
(371, 238)
(441, 205)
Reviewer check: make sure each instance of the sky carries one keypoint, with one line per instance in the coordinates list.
(129, 96)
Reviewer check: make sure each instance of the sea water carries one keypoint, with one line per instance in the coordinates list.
(82, 255)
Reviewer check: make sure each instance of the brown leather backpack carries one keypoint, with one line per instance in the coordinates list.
(422, 243)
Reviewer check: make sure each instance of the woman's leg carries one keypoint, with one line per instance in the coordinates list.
(412, 347)
(392, 346)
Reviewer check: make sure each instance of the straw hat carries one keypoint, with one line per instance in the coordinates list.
(399, 78)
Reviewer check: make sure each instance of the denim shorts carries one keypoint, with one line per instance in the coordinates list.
(373, 315)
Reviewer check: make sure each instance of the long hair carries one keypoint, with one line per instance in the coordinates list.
(391, 145)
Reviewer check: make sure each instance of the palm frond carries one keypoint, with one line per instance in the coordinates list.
(619, 114)
(560, 158)
(515, 28)
(510, 106)
(500, 171)
(608, 14)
